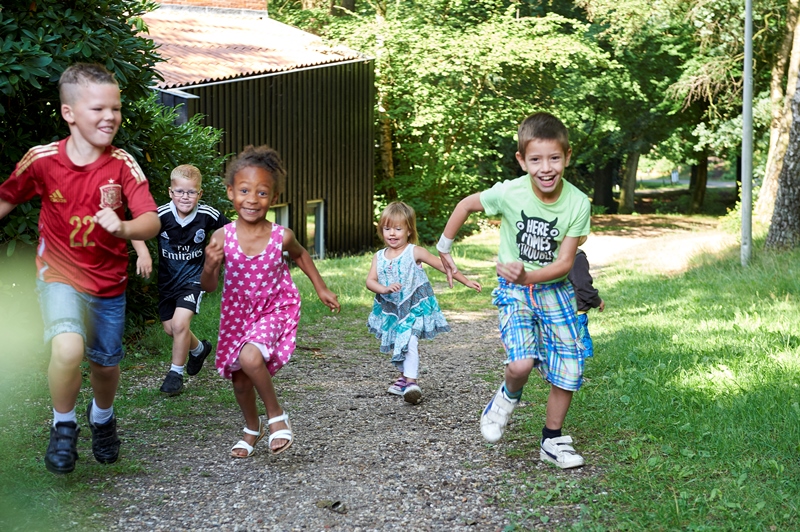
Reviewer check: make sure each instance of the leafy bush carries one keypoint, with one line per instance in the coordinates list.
(38, 41)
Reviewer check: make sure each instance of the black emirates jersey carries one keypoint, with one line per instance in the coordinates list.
(181, 246)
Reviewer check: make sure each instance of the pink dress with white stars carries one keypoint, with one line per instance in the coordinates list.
(260, 304)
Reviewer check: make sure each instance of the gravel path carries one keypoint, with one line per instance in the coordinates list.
(382, 463)
(387, 463)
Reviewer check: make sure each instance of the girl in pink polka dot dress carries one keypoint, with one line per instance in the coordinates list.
(260, 302)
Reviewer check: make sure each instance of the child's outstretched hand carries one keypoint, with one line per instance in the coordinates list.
(513, 272)
(450, 267)
(214, 254)
(393, 288)
(144, 265)
(108, 220)
(329, 299)
(475, 285)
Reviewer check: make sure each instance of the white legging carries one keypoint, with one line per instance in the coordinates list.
(411, 363)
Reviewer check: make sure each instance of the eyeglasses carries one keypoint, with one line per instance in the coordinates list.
(189, 193)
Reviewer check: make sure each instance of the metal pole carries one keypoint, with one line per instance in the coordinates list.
(747, 136)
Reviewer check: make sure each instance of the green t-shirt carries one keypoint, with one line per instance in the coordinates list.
(531, 230)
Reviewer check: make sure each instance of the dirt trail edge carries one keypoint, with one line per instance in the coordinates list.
(364, 459)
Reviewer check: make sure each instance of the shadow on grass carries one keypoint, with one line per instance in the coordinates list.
(690, 405)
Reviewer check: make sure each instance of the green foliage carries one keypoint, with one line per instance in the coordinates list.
(160, 145)
(38, 41)
(455, 79)
(687, 370)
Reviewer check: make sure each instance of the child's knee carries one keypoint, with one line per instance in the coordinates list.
(67, 349)
(519, 369)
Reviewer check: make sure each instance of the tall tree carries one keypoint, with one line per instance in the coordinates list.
(784, 72)
(454, 79)
(784, 231)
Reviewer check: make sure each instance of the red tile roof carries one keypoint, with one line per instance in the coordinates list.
(200, 46)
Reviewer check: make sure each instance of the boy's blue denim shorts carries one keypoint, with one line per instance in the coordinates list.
(540, 322)
(99, 320)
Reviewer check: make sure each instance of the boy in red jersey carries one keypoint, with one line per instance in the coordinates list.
(86, 185)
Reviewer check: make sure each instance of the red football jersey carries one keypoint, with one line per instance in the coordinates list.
(72, 248)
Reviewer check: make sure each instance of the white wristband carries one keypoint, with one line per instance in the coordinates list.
(444, 244)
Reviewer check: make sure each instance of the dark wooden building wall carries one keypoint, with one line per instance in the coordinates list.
(321, 122)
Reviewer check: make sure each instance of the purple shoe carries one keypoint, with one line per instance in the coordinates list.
(397, 387)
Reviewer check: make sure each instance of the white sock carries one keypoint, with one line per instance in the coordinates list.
(101, 416)
(58, 417)
(176, 369)
(197, 351)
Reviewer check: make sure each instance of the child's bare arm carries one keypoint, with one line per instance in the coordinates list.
(144, 263)
(374, 285)
(5, 208)
(215, 252)
(514, 272)
(304, 261)
(423, 255)
(143, 227)
(460, 214)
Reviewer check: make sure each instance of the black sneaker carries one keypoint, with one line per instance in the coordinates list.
(173, 383)
(62, 451)
(105, 443)
(195, 362)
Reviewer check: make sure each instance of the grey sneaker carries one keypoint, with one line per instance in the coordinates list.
(412, 393)
(195, 363)
(173, 383)
(495, 416)
(559, 451)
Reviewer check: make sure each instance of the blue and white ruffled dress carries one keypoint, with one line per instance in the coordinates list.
(412, 311)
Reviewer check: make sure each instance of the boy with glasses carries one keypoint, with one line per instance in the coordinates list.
(185, 226)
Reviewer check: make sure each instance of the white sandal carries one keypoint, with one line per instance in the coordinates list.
(241, 444)
(282, 434)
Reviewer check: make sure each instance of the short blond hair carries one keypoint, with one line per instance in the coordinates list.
(79, 75)
(186, 171)
(399, 212)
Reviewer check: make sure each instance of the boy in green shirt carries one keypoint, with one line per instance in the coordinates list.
(543, 216)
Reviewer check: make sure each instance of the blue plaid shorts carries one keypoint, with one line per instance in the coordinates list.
(540, 322)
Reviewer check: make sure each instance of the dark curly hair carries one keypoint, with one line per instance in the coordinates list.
(261, 157)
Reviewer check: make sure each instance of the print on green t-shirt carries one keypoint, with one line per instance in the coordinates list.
(536, 239)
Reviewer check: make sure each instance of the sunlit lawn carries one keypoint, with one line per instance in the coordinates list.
(689, 417)
(691, 409)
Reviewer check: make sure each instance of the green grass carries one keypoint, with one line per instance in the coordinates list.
(689, 417)
(33, 499)
(690, 407)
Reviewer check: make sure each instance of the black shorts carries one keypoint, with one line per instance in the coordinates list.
(187, 298)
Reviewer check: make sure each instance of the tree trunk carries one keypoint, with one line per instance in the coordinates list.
(604, 186)
(784, 231)
(788, 53)
(701, 179)
(387, 157)
(739, 178)
(386, 141)
(627, 194)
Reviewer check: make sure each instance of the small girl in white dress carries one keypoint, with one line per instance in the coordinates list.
(405, 308)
